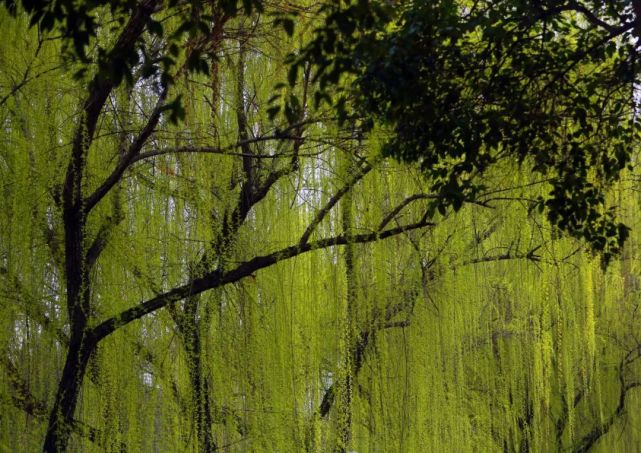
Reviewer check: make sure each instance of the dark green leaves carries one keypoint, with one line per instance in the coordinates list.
(175, 110)
(113, 65)
(286, 21)
(464, 86)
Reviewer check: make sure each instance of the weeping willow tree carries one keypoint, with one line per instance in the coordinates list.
(134, 183)
(183, 270)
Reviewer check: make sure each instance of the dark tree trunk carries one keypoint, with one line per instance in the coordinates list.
(81, 342)
(201, 396)
(188, 324)
(61, 417)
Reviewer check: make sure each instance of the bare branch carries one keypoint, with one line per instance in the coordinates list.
(509, 255)
(227, 150)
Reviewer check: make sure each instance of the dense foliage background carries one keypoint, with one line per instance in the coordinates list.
(364, 227)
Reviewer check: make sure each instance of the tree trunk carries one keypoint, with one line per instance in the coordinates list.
(201, 392)
(186, 320)
(345, 415)
(61, 417)
(81, 342)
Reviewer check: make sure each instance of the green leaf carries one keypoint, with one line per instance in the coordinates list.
(273, 111)
(292, 75)
(155, 28)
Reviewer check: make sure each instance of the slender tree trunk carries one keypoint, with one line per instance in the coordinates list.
(81, 343)
(204, 421)
(345, 415)
(200, 391)
(186, 320)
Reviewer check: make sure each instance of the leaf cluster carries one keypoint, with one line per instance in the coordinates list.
(464, 86)
(159, 55)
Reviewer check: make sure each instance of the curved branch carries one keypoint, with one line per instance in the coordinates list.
(224, 150)
(99, 89)
(581, 9)
(128, 158)
(320, 215)
(218, 278)
(394, 212)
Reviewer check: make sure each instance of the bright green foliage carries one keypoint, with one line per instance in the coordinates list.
(475, 330)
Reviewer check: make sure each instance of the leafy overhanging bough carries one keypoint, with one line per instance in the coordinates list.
(464, 85)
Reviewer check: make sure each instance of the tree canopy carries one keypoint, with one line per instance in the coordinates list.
(357, 226)
(464, 85)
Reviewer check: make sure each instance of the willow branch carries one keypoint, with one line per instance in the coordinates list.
(25, 80)
(128, 158)
(322, 213)
(509, 255)
(218, 278)
(587, 442)
(32, 306)
(225, 150)
(382, 320)
(99, 89)
(394, 212)
(23, 399)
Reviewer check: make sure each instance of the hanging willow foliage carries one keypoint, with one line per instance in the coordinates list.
(316, 308)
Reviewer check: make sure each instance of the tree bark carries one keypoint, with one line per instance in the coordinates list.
(189, 330)
(61, 418)
(201, 393)
(345, 413)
